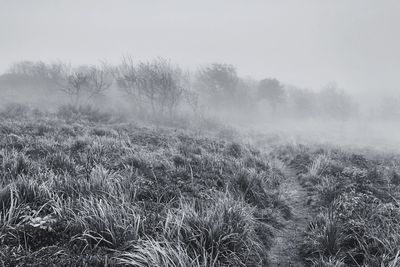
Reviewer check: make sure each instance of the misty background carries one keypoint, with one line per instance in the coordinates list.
(299, 68)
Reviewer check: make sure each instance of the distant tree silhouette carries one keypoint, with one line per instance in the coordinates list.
(219, 83)
(83, 83)
(158, 84)
(335, 103)
(272, 91)
(389, 108)
(79, 83)
(302, 102)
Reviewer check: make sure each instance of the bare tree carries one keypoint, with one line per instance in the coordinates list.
(83, 83)
(158, 84)
(302, 102)
(335, 103)
(169, 84)
(127, 77)
(75, 85)
(191, 98)
(99, 80)
(35, 81)
(39, 70)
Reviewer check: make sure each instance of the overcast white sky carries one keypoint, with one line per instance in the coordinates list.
(306, 43)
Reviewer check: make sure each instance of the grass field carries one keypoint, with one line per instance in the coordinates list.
(83, 188)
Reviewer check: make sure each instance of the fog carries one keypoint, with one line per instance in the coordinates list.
(311, 48)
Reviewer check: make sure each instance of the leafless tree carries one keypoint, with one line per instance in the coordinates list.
(76, 84)
(84, 82)
(169, 83)
(99, 80)
(191, 98)
(157, 84)
(128, 79)
(39, 70)
(335, 103)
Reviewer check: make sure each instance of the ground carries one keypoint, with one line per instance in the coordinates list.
(284, 252)
(82, 188)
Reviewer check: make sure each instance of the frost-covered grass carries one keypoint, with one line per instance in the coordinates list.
(356, 199)
(81, 188)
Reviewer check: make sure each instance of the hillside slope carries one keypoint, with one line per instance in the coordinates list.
(96, 192)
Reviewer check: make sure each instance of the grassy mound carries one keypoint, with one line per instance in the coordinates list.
(88, 190)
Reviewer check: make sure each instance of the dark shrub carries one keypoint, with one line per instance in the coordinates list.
(235, 150)
(395, 178)
(14, 110)
(71, 112)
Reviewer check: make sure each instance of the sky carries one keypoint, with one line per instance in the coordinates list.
(307, 43)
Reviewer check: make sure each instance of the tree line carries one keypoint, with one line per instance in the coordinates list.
(161, 87)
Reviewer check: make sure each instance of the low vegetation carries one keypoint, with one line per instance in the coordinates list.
(355, 197)
(82, 188)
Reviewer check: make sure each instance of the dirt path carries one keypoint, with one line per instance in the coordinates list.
(284, 251)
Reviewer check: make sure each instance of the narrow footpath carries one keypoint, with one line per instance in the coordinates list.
(284, 251)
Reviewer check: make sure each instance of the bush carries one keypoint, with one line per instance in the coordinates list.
(20, 192)
(234, 150)
(102, 222)
(223, 232)
(73, 113)
(252, 188)
(61, 163)
(152, 253)
(14, 111)
(324, 237)
(328, 262)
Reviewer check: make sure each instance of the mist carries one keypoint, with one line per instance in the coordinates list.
(335, 64)
(199, 133)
